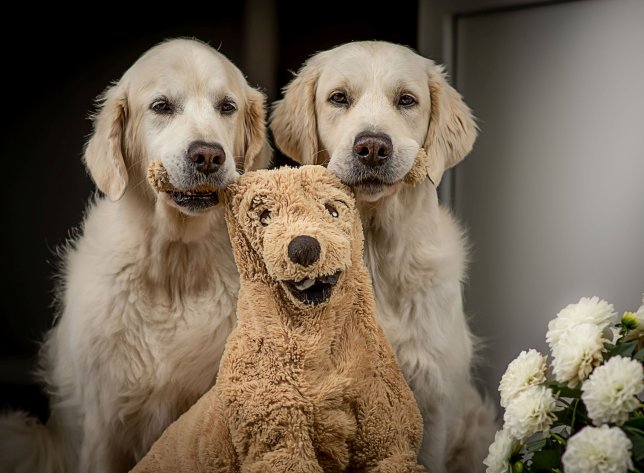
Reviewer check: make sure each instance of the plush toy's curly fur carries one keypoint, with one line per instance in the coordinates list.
(160, 180)
(308, 382)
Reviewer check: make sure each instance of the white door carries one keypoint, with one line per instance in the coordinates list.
(553, 193)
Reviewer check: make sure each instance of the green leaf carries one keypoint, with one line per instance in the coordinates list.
(546, 460)
(639, 356)
(636, 437)
(536, 445)
(563, 390)
(624, 349)
(636, 423)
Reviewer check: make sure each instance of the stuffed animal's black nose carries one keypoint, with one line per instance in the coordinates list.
(304, 250)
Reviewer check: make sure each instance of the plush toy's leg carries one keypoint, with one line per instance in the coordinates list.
(401, 463)
(199, 441)
(283, 462)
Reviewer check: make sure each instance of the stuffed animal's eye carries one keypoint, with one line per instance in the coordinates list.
(406, 100)
(162, 106)
(332, 210)
(339, 99)
(265, 217)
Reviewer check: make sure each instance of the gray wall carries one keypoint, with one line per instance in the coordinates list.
(553, 193)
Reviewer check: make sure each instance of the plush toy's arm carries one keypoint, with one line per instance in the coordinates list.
(390, 425)
(389, 433)
(199, 441)
(271, 424)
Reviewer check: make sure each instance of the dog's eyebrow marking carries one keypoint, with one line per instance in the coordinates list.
(406, 87)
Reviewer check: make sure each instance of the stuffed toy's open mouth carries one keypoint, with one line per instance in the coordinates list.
(194, 200)
(313, 291)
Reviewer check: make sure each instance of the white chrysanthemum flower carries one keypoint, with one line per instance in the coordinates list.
(588, 310)
(532, 411)
(610, 393)
(576, 353)
(499, 453)
(598, 450)
(527, 369)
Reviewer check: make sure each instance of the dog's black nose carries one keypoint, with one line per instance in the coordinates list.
(207, 157)
(372, 149)
(304, 250)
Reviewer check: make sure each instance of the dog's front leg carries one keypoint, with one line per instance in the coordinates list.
(433, 449)
(99, 454)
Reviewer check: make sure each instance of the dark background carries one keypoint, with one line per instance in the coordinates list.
(49, 85)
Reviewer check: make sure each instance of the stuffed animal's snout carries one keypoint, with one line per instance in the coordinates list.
(304, 250)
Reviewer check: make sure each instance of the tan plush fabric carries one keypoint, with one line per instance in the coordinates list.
(420, 169)
(302, 386)
(160, 180)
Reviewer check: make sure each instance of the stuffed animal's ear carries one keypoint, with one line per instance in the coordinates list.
(248, 263)
(452, 129)
(104, 150)
(293, 121)
(258, 153)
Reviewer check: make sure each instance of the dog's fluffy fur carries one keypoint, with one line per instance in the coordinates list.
(308, 382)
(415, 249)
(149, 287)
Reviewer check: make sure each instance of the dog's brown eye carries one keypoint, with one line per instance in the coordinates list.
(339, 98)
(162, 107)
(332, 210)
(227, 107)
(406, 100)
(265, 217)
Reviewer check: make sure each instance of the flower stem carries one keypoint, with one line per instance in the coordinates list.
(574, 415)
(558, 438)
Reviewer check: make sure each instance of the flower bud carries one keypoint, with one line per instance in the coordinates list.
(630, 321)
(517, 467)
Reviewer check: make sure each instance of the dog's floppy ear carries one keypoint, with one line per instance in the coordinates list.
(104, 150)
(257, 150)
(452, 129)
(293, 120)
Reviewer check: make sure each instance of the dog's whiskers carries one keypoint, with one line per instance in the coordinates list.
(136, 186)
(239, 163)
(320, 151)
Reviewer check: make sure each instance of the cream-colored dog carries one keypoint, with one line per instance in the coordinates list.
(367, 110)
(148, 289)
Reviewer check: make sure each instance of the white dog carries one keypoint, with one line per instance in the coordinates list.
(149, 287)
(365, 109)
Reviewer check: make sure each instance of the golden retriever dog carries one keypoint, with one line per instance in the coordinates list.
(149, 287)
(366, 110)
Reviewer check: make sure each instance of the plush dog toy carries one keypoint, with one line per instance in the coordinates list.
(307, 382)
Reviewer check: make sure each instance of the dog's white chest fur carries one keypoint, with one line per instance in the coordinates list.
(417, 265)
(145, 316)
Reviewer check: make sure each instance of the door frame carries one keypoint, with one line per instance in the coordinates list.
(438, 40)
